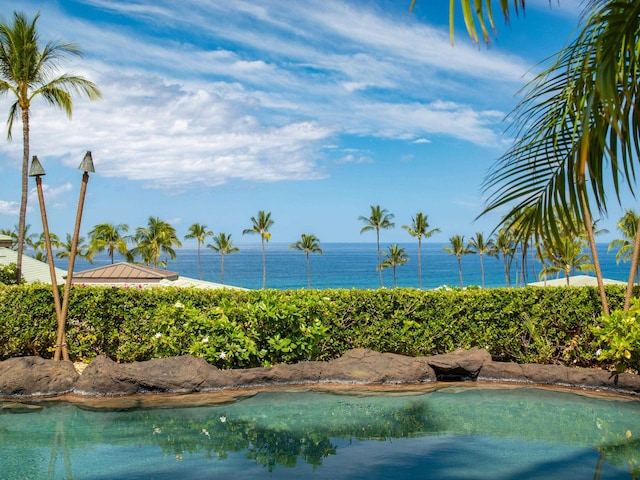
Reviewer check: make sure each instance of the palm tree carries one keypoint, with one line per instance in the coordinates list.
(478, 245)
(420, 228)
(199, 232)
(506, 246)
(260, 226)
(566, 257)
(394, 256)
(378, 219)
(477, 11)
(39, 246)
(457, 248)
(308, 243)
(628, 226)
(108, 236)
(28, 69)
(157, 238)
(83, 250)
(575, 118)
(223, 245)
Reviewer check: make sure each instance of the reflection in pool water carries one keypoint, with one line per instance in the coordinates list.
(468, 433)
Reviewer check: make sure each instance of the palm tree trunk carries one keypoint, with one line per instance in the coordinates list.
(25, 190)
(308, 271)
(222, 270)
(507, 274)
(594, 253)
(482, 269)
(264, 266)
(395, 282)
(460, 272)
(419, 263)
(199, 261)
(379, 265)
(634, 270)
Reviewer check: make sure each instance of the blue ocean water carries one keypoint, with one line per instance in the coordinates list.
(347, 265)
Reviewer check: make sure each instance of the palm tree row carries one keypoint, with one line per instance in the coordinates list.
(565, 255)
(380, 219)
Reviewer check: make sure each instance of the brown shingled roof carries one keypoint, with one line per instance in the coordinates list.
(124, 272)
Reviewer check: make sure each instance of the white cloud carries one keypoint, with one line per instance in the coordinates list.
(9, 208)
(195, 113)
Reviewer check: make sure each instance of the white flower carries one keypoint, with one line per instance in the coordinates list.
(205, 339)
(223, 355)
(598, 352)
(178, 305)
(157, 431)
(223, 419)
(158, 335)
(204, 431)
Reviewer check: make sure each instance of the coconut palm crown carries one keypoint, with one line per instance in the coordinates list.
(28, 70)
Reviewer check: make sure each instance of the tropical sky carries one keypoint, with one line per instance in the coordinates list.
(312, 110)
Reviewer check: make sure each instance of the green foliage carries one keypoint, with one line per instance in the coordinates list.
(8, 274)
(240, 329)
(619, 338)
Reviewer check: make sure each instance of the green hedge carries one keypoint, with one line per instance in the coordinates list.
(234, 329)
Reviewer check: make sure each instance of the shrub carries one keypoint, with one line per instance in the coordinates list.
(235, 328)
(619, 338)
(8, 274)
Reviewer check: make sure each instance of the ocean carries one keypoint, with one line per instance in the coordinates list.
(345, 265)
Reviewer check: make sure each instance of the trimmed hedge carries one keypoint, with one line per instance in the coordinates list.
(238, 329)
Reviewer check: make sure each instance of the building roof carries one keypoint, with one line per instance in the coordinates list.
(575, 281)
(125, 274)
(33, 271)
(5, 241)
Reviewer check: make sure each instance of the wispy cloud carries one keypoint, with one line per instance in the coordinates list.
(196, 111)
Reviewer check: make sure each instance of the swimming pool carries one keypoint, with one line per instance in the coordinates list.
(451, 432)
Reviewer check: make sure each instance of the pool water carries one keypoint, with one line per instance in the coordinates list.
(449, 433)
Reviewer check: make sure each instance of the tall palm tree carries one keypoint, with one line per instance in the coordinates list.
(308, 243)
(379, 218)
(577, 118)
(478, 245)
(223, 245)
(199, 232)
(157, 238)
(260, 226)
(29, 69)
(457, 248)
(419, 228)
(506, 246)
(628, 226)
(109, 236)
(393, 257)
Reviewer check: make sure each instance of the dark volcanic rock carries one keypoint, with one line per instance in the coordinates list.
(459, 364)
(175, 374)
(560, 375)
(30, 376)
(366, 366)
(33, 376)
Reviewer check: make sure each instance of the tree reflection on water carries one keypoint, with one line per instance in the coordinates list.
(283, 429)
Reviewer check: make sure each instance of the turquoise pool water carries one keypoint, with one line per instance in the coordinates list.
(450, 433)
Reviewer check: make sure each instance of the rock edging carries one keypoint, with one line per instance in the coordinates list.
(35, 376)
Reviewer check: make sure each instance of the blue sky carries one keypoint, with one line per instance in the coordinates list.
(312, 110)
